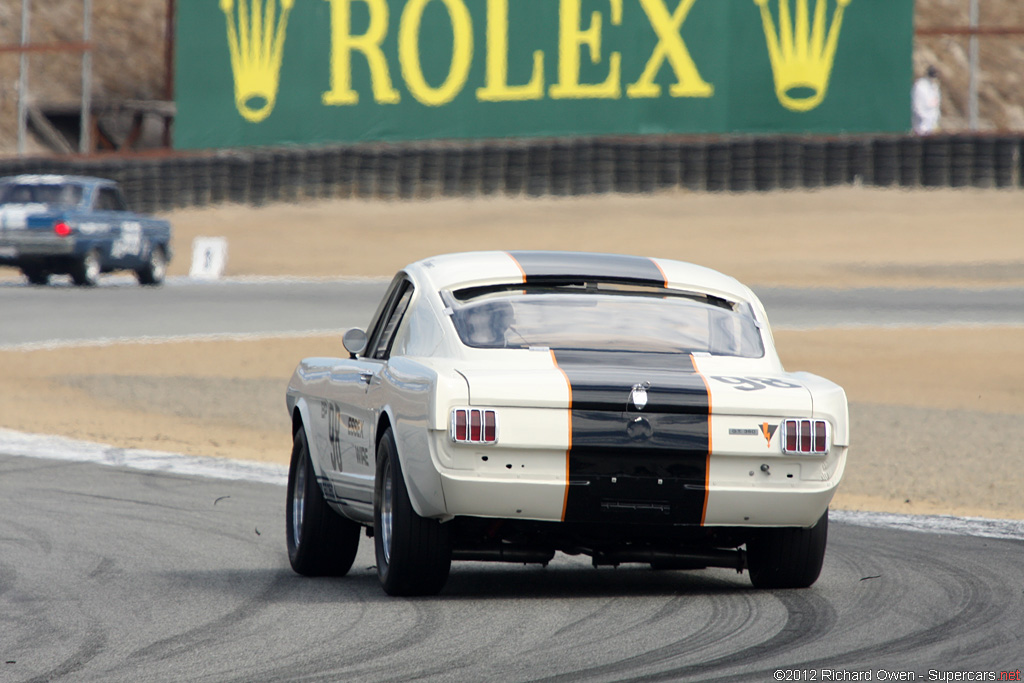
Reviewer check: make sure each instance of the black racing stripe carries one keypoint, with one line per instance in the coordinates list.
(671, 375)
(547, 266)
(628, 464)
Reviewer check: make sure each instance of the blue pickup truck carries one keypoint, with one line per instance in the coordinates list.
(80, 226)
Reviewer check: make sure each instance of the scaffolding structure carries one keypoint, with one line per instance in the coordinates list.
(974, 31)
(91, 137)
(25, 48)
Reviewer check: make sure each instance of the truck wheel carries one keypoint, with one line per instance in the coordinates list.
(86, 273)
(414, 554)
(320, 541)
(788, 557)
(36, 276)
(155, 268)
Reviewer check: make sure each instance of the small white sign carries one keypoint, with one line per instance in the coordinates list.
(209, 257)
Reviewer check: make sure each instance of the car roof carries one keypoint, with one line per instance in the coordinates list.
(55, 179)
(483, 268)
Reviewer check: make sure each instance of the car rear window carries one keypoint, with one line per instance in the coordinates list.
(54, 194)
(595, 319)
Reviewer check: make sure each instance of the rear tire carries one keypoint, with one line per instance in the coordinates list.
(86, 273)
(787, 558)
(320, 541)
(155, 268)
(414, 554)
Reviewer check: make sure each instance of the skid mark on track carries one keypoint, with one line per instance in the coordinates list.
(708, 620)
(411, 626)
(93, 646)
(219, 630)
(975, 599)
(810, 617)
(8, 575)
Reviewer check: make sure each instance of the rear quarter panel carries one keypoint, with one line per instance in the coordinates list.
(750, 480)
(409, 398)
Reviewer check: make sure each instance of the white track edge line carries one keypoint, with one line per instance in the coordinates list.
(1005, 529)
(55, 344)
(900, 326)
(74, 450)
(187, 280)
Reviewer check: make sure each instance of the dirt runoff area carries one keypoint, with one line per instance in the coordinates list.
(936, 413)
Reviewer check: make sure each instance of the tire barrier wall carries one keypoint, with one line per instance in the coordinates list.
(547, 167)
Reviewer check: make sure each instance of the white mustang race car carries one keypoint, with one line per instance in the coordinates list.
(503, 406)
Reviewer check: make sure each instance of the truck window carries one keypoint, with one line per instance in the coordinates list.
(110, 200)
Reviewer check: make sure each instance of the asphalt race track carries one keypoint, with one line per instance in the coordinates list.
(110, 574)
(120, 309)
(115, 574)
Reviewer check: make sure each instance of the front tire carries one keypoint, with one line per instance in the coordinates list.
(320, 541)
(787, 558)
(86, 272)
(153, 271)
(414, 554)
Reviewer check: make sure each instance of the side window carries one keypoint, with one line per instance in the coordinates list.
(385, 337)
(110, 200)
(423, 333)
(71, 195)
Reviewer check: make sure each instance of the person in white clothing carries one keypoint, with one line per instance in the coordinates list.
(925, 102)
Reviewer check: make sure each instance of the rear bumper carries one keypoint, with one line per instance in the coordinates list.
(501, 483)
(532, 485)
(15, 250)
(744, 507)
(772, 490)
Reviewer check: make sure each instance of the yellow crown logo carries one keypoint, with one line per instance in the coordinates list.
(801, 54)
(256, 40)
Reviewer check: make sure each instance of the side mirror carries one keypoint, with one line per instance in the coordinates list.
(354, 341)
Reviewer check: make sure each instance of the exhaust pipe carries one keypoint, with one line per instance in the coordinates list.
(504, 553)
(730, 559)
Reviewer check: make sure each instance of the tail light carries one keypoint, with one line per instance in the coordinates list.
(473, 425)
(806, 436)
(62, 229)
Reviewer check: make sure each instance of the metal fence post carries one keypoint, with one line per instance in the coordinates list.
(85, 137)
(23, 78)
(972, 82)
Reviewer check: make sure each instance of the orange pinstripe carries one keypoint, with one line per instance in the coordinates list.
(516, 261)
(660, 270)
(565, 496)
(707, 461)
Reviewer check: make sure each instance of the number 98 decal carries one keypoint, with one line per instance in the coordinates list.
(756, 383)
(331, 412)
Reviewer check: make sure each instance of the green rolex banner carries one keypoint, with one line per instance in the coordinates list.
(266, 72)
